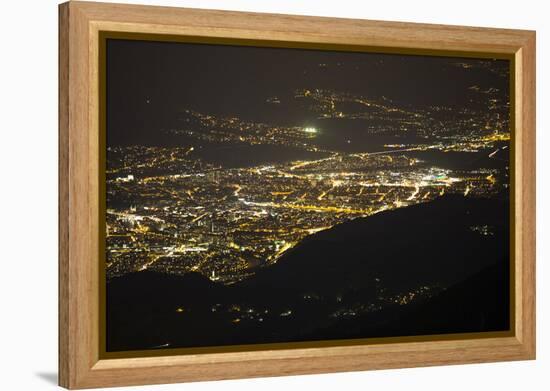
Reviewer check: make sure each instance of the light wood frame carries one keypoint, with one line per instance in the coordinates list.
(80, 365)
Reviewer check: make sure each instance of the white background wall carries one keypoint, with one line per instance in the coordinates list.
(28, 191)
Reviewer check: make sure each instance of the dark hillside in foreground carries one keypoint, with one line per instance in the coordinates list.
(435, 268)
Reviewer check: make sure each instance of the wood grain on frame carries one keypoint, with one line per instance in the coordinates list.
(79, 25)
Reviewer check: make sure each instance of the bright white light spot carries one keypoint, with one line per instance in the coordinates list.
(310, 130)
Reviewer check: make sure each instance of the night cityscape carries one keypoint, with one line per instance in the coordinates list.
(259, 195)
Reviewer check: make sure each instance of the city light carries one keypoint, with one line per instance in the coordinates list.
(170, 210)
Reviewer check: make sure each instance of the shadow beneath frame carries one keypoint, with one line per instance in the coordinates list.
(48, 377)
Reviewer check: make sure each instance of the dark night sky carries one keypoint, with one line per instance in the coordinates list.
(148, 83)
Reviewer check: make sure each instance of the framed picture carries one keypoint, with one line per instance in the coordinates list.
(249, 195)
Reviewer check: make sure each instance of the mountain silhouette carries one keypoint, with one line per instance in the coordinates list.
(434, 268)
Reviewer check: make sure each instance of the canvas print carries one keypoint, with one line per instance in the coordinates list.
(266, 195)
